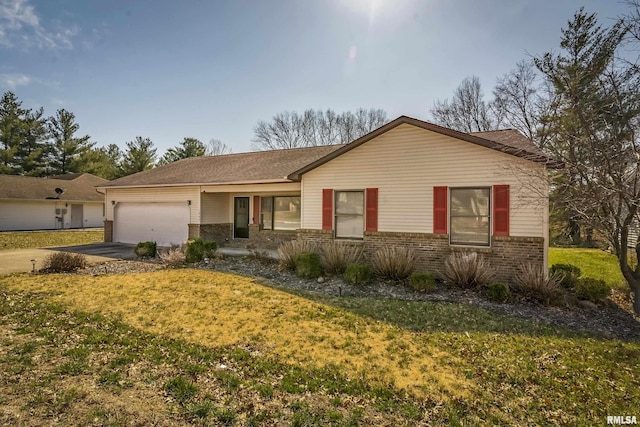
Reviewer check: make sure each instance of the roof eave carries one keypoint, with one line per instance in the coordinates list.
(283, 180)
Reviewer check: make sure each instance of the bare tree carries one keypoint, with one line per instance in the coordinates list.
(467, 111)
(312, 128)
(523, 100)
(215, 147)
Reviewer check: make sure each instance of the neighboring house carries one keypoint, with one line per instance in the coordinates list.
(408, 183)
(28, 203)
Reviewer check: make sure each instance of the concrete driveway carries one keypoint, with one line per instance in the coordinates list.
(19, 260)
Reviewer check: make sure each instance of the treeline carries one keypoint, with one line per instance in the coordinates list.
(32, 144)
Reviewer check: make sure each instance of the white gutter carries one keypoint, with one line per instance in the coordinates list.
(206, 184)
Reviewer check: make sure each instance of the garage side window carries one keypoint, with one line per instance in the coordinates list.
(470, 216)
(280, 212)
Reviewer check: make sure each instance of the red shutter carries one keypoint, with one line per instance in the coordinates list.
(372, 210)
(327, 209)
(256, 209)
(440, 195)
(500, 210)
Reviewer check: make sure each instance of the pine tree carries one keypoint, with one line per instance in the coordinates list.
(66, 149)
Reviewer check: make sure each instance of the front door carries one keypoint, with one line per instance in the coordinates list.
(241, 217)
(76, 216)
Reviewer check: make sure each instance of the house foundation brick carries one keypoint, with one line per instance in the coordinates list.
(220, 233)
(108, 231)
(504, 255)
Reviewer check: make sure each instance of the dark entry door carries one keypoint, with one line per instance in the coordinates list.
(241, 217)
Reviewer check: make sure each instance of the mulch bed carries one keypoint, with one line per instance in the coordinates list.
(613, 319)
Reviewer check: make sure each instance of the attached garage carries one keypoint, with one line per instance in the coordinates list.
(164, 223)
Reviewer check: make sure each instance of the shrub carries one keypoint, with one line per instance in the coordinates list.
(394, 263)
(538, 284)
(568, 274)
(198, 249)
(173, 258)
(422, 282)
(498, 292)
(467, 270)
(592, 289)
(336, 256)
(358, 274)
(64, 262)
(146, 249)
(289, 251)
(308, 265)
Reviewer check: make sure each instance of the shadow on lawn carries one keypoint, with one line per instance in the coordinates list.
(448, 317)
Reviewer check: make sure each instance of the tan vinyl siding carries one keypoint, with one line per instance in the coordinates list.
(406, 162)
(160, 194)
(215, 208)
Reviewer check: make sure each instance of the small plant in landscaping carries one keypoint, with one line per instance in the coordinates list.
(358, 274)
(64, 262)
(308, 265)
(198, 249)
(260, 255)
(146, 249)
(592, 289)
(537, 283)
(394, 263)
(336, 256)
(173, 257)
(498, 292)
(467, 270)
(289, 251)
(422, 282)
(568, 273)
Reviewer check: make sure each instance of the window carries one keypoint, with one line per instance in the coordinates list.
(470, 216)
(280, 212)
(266, 209)
(349, 214)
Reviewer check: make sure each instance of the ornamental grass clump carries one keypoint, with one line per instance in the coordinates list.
(336, 256)
(538, 284)
(289, 251)
(467, 270)
(64, 262)
(394, 263)
(173, 257)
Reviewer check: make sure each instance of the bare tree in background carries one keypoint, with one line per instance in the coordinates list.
(523, 99)
(467, 111)
(215, 147)
(315, 127)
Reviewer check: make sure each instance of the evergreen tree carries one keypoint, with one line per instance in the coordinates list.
(139, 156)
(189, 147)
(32, 151)
(11, 132)
(66, 149)
(103, 162)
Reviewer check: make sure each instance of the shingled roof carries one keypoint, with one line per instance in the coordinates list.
(259, 166)
(289, 165)
(81, 188)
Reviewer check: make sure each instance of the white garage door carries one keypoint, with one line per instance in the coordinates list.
(163, 223)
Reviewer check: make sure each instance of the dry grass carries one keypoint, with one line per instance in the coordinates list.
(467, 270)
(394, 263)
(220, 309)
(289, 251)
(173, 257)
(336, 256)
(538, 284)
(43, 239)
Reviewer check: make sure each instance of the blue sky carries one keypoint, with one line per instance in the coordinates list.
(212, 69)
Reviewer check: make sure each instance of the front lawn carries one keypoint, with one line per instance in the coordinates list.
(192, 345)
(593, 263)
(44, 239)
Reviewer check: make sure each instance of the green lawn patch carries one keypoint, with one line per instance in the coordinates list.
(45, 239)
(593, 263)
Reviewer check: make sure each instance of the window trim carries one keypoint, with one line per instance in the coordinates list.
(489, 216)
(273, 216)
(335, 214)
